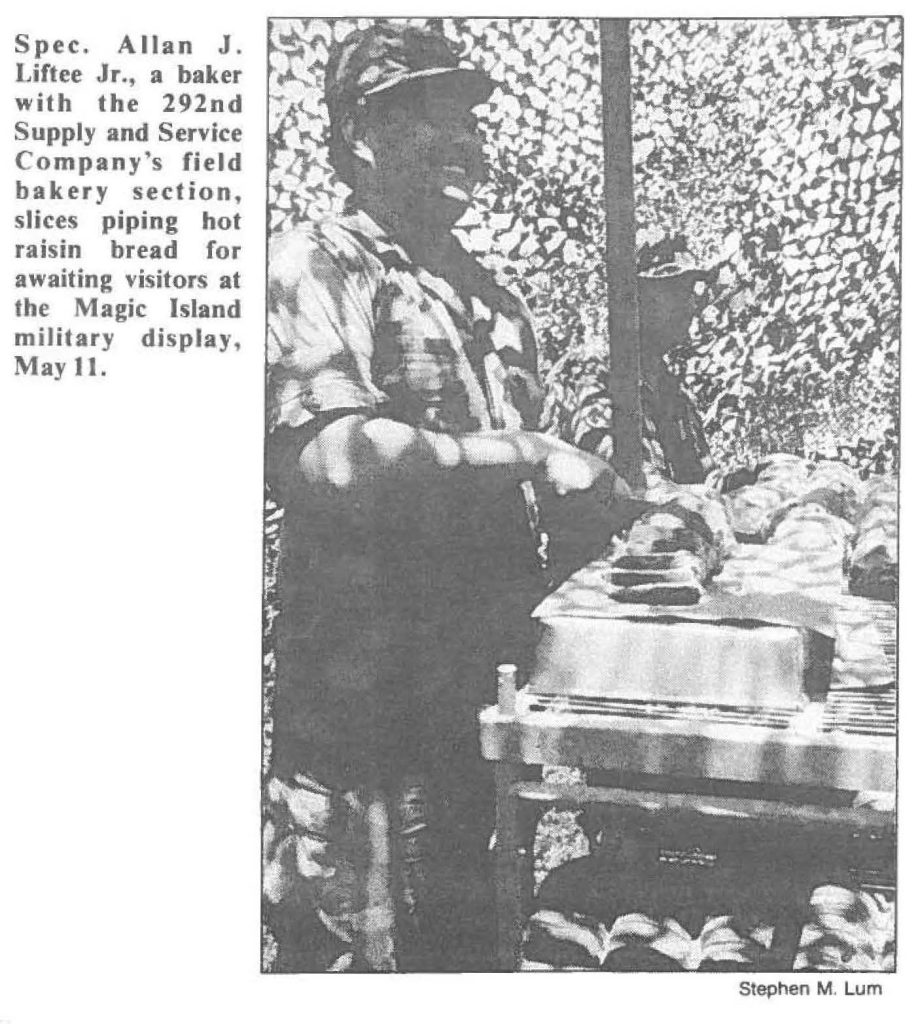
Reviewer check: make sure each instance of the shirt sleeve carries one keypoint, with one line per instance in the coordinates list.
(320, 328)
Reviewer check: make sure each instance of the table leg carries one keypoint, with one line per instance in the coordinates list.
(515, 827)
(785, 940)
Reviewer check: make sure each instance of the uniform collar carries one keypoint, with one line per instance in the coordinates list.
(374, 236)
(470, 278)
(380, 244)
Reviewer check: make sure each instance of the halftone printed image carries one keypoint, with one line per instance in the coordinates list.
(581, 513)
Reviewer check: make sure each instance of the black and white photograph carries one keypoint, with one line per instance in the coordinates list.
(582, 397)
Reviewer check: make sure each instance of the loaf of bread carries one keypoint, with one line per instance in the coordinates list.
(811, 527)
(786, 473)
(752, 508)
(834, 486)
(875, 558)
(831, 473)
(671, 552)
(703, 502)
(785, 482)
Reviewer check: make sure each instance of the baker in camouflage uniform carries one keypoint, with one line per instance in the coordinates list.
(402, 401)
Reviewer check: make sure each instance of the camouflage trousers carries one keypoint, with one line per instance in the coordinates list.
(375, 881)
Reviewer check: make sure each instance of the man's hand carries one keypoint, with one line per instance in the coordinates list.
(584, 502)
(568, 470)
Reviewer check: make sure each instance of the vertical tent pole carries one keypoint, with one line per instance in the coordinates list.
(624, 325)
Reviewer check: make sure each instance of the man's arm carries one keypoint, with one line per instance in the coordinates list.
(344, 459)
(350, 459)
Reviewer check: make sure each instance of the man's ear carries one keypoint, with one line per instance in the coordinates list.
(353, 131)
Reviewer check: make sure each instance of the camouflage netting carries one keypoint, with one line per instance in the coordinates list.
(769, 148)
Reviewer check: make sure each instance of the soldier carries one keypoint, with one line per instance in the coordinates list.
(403, 398)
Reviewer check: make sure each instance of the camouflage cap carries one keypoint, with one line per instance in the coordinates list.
(374, 60)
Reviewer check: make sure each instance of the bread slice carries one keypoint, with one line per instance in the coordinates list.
(659, 593)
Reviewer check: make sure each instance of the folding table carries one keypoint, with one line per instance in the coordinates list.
(830, 769)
